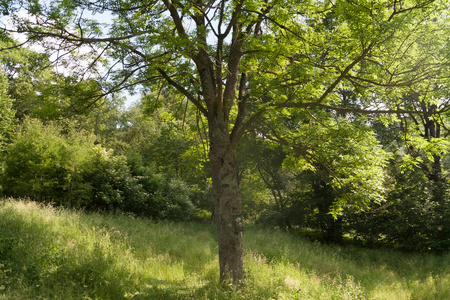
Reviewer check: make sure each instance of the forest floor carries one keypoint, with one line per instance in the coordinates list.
(48, 253)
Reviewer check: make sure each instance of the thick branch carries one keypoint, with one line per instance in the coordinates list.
(175, 17)
(182, 90)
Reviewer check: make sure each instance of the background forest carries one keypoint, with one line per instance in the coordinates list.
(332, 176)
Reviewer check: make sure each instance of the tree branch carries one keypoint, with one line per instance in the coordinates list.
(182, 90)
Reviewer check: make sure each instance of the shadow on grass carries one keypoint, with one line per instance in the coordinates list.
(372, 269)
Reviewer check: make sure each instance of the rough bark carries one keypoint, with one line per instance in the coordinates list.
(227, 205)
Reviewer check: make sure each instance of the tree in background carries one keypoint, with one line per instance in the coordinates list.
(237, 61)
(37, 90)
(7, 113)
(264, 181)
(164, 135)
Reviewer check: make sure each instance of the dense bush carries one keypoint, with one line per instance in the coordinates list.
(70, 169)
(415, 216)
(43, 164)
(170, 197)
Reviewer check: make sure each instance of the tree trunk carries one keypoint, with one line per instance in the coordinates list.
(228, 208)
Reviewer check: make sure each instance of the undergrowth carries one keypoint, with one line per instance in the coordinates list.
(48, 253)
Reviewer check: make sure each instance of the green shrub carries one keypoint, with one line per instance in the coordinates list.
(415, 217)
(163, 197)
(43, 164)
(70, 169)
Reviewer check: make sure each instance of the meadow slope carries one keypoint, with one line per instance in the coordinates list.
(48, 253)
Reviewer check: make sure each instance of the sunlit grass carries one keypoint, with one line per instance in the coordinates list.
(48, 253)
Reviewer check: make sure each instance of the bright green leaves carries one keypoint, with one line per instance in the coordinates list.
(37, 91)
(346, 152)
(419, 150)
(407, 39)
(40, 161)
(380, 49)
(63, 11)
(431, 147)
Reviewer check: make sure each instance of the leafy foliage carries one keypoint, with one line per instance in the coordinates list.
(70, 169)
(415, 216)
(7, 113)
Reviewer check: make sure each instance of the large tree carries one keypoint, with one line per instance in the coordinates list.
(240, 60)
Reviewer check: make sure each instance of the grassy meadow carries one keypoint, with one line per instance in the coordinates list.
(48, 253)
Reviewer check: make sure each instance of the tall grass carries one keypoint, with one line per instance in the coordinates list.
(48, 253)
